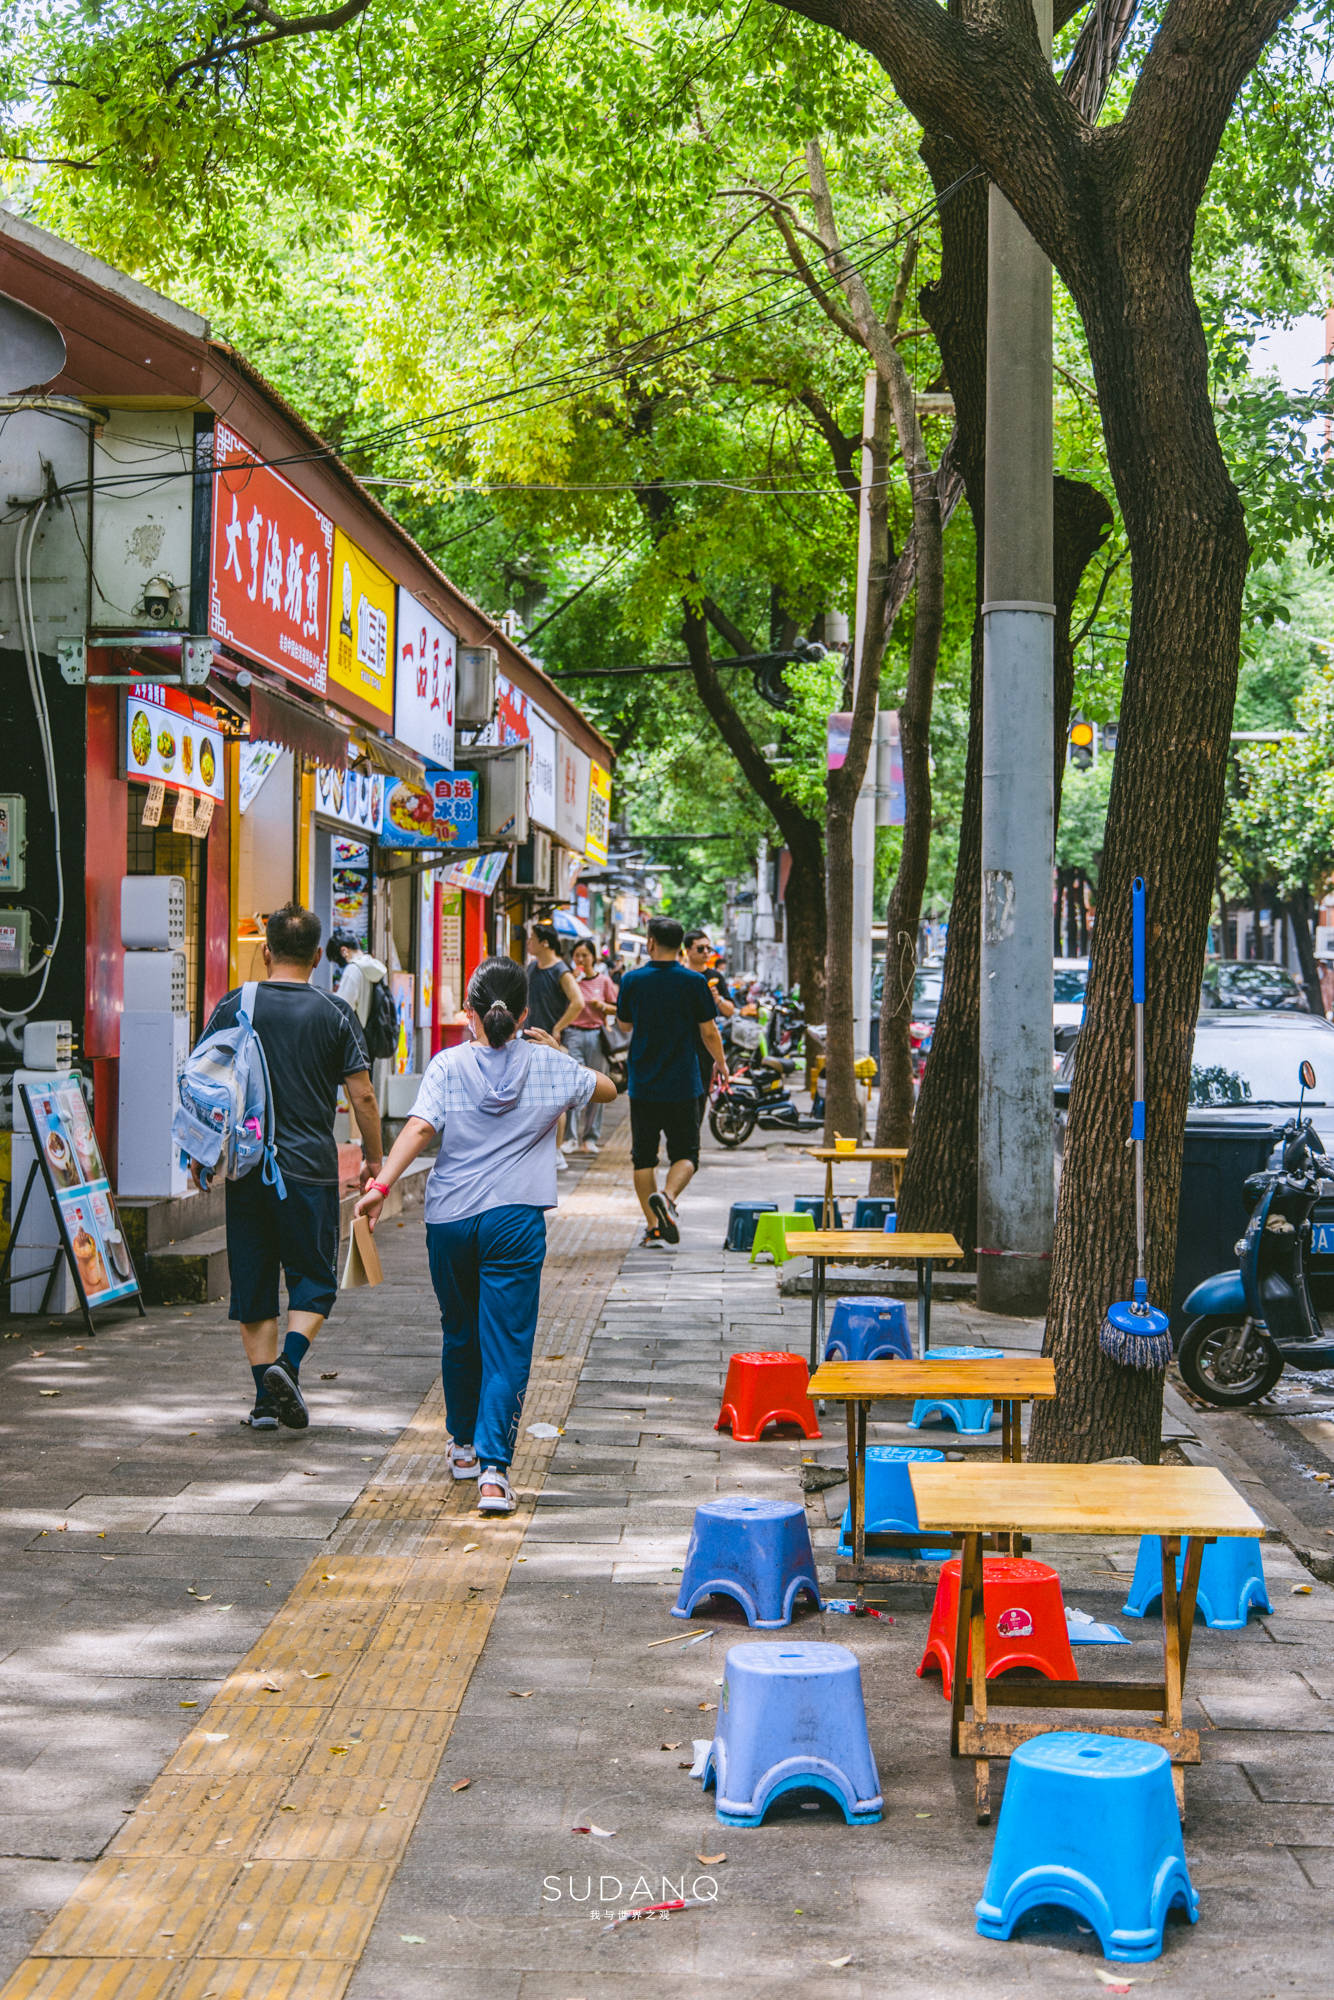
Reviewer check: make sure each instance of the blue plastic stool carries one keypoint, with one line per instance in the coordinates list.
(873, 1211)
(889, 1503)
(1232, 1579)
(813, 1204)
(891, 1223)
(755, 1551)
(741, 1222)
(868, 1329)
(970, 1416)
(791, 1719)
(1090, 1823)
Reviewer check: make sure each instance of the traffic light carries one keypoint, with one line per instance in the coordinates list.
(1081, 745)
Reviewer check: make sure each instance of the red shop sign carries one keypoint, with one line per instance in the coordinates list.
(271, 562)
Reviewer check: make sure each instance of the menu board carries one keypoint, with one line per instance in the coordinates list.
(76, 1180)
(171, 737)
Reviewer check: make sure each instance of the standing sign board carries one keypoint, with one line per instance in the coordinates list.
(269, 570)
(424, 682)
(361, 631)
(70, 1163)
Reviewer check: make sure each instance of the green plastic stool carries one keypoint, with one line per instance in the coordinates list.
(770, 1231)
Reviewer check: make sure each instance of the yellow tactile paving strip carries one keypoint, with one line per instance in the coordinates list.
(255, 1865)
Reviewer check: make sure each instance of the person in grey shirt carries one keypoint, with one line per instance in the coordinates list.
(494, 1105)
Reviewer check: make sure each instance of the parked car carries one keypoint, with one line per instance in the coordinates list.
(1070, 979)
(1243, 1084)
(1231, 983)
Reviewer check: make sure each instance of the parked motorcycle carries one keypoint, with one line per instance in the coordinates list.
(757, 1094)
(1250, 1323)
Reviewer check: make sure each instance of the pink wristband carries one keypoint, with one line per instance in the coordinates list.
(378, 1186)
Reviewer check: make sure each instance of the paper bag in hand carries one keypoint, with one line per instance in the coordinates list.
(363, 1259)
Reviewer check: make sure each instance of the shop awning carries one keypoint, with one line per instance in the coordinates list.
(480, 874)
(277, 718)
(396, 763)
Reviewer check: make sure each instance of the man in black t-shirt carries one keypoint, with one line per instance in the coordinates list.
(313, 1046)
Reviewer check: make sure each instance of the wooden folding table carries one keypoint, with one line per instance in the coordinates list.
(831, 1154)
(870, 1246)
(1181, 1503)
(1011, 1382)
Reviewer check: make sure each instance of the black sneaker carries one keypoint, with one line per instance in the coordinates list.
(284, 1392)
(263, 1417)
(650, 1240)
(665, 1209)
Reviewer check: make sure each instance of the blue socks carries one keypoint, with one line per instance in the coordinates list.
(295, 1349)
(257, 1370)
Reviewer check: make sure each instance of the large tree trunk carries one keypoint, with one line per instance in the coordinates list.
(1187, 531)
(940, 1177)
(805, 923)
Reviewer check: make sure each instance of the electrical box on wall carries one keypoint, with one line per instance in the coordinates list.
(504, 787)
(13, 839)
(476, 669)
(15, 942)
(152, 912)
(48, 1044)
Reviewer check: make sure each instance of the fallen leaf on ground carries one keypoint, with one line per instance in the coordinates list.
(338, 1749)
(48, 1392)
(706, 1704)
(1301, 1590)
(189, 1704)
(409, 1937)
(322, 1675)
(685, 1766)
(543, 1431)
(271, 1687)
(216, 1735)
(921, 1815)
(598, 1832)
(1116, 1982)
(838, 1963)
(468, 1547)
(332, 1376)
(288, 1809)
(460, 1784)
(523, 1694)
(710, 1860)
(669, 1746)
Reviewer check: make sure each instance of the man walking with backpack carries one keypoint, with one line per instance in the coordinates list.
(282, 1214)
(363, 985)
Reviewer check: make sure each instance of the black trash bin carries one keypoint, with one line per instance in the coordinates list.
(1220, 1150)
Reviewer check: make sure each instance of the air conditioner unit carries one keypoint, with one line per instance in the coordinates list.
(503, 813)
(532, 862)
(152, 912)
(476, 669)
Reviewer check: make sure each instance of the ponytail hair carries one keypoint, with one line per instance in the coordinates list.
(498, 995)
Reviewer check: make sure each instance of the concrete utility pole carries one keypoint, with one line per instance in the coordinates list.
(863, 819)
(1015, 1195)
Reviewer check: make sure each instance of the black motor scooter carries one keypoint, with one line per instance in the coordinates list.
(1249, 1324)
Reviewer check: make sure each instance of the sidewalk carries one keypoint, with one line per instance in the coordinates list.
(300, 1837)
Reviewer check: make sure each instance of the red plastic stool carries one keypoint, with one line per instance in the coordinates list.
(766, 1389)
(1025, 1614)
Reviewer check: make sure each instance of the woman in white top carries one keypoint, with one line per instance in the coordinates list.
(494, 1104)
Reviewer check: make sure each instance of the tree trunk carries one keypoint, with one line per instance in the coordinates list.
(1187, 532)
(843, 1104)
(805, 888)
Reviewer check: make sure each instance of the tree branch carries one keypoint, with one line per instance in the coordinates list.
(279, 28)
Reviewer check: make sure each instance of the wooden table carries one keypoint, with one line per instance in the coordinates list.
(870, 1246)
(829, 1154)
(1189, 1503)
(1010, 1382)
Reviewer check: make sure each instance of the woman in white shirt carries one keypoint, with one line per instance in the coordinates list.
(494, 1103)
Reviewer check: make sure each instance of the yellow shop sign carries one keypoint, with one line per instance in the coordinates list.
(361, 628)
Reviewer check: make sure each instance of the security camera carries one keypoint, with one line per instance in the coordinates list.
(160, 603)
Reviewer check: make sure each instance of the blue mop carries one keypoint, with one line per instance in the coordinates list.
(1135, 1333)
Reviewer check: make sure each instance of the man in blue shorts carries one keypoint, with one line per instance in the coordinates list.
(313, 1045)
(670, 1012)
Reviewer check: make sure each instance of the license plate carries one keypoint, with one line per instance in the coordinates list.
(1322, 1239)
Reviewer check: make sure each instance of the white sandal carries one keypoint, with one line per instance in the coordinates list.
(463, 1460)
(502, 1502)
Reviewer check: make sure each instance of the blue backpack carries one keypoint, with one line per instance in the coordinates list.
(224, 1113)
